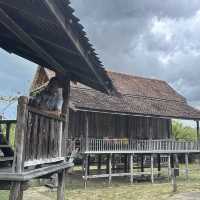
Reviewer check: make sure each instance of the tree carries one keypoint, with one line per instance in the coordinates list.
(181, 132)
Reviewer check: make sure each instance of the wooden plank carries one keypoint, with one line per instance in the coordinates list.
(34, 173)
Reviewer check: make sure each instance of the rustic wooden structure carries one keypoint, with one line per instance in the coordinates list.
(47, 33)
(137, 124)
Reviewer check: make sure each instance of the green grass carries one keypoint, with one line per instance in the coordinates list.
(120, 189)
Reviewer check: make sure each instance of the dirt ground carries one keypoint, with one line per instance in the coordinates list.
(187, 196)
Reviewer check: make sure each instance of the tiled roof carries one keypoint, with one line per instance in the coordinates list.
(138, 96)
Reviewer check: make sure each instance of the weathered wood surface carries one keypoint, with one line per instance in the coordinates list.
(116, 126)
(16, 191)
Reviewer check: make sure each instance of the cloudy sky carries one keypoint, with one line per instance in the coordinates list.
(152, 38)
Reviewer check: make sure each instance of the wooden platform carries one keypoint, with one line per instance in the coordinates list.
(6, 174)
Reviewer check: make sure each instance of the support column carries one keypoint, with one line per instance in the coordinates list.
(159, 164)
(86, 171)
(99, 164)
(61, 186)
(125, 163)
(131, 168)
(169, 167)
(142, 163)
(186, 166)
(152, 168)
(110, 169)
(16, 191)
(198, 133)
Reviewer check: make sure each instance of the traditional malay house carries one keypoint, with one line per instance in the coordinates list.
(47, 33)
(135, 124)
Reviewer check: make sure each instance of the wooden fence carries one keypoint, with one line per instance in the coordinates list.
(43, 139)
(138, 146)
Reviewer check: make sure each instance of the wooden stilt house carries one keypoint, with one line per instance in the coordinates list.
(136, 122)
(47, 33)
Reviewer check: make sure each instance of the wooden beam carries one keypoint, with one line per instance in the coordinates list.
(99, 163)
(66, 26)
(24, 37)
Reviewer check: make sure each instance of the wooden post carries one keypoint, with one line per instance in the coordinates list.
(159, 164)
(169, 167)
(16, 192)
(110, 168)
(99, 164)
(86, 131)
(142, 163)
(8, 133)
(125, 163)
(174, 184)
(65, 113)
(64, 134)
(107, 164)
(152, 168)
(198, 133)
(86, 171)
(186, 166)
(61, 185)
(131, 168)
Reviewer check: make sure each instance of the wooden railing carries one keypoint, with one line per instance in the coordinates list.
(138, 146)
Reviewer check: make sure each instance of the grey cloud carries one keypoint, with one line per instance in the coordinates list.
(154, 38)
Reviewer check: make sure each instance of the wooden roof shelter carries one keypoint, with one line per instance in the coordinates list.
(47, 33)
(138, 96)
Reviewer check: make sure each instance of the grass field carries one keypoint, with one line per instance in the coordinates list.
(120, 189)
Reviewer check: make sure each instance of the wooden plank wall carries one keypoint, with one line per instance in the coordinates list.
(116, 126)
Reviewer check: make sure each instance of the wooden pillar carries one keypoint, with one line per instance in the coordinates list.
(152, 168)
(198, 133)
(107, 164)
(131, 168)
(125, 163)
(169, 167)
(86, 131)
(86, 171)
(65, 113)
(99, 163)
(8, 133)
(110, 169)
(186, 166)
(16, 191)
(61, 185)
(113, 163)
(142, 163)
(159, 164)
